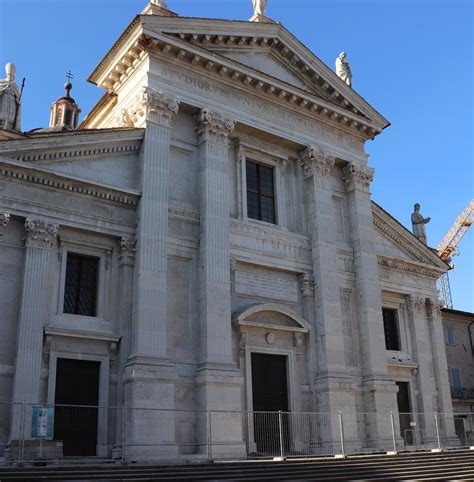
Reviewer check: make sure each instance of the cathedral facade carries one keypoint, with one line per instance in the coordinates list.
(205, 240)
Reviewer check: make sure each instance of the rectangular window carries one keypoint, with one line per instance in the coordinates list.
(449, 335)
(260, 192)
(80, 290)
(456, 378)
(390, 325)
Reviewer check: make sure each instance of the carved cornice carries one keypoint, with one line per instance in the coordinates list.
(401, 265)
(40, 234)
(77, 153)
(385, 229)
(127, 251)
(4, 218)
(213, 126)
(35, 175)
(307, 284)
(357, 177)
(316, 162)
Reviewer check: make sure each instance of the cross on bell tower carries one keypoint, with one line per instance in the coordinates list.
(65, 112)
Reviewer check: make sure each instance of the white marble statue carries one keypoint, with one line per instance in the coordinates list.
(418, 224)
(259, 7)
(9, 100)
(343, 69)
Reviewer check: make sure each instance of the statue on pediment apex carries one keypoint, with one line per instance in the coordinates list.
(418, 223)
(259, 7)
(343, 69)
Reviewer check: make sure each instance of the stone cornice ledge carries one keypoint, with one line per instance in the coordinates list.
(87, 335)
(24, 171)
(268, 233)
(408, 267)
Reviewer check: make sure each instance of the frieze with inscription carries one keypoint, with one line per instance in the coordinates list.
(251, 104)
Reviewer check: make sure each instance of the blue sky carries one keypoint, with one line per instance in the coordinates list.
(411, 59)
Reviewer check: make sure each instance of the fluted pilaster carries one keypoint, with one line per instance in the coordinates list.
(150, 287)
(39, 241)
(215, 312)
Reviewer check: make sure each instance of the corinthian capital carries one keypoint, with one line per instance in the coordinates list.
(40, 234)
(316, 162)
(127, 250)
(213, 126)
(4, 218)
(357, 177)
(152, 105)
(434, 310)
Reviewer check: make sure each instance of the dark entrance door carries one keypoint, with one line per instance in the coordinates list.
(77, 385)
(270, 394)
(404, 411)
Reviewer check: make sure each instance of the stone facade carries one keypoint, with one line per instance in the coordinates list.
(153, 185)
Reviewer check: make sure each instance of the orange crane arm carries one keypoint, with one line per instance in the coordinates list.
(457, 231)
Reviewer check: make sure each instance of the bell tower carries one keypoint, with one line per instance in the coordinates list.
(65, 112)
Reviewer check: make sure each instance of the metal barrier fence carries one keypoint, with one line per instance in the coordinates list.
(54, 433)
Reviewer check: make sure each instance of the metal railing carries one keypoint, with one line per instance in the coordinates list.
(462, 393)
(57, 433)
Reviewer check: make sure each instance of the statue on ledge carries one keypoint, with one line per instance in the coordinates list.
(343, 69)
(418, 224)
(10, 95)
(259, 7)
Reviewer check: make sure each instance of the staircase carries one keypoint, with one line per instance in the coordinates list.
(452, 465)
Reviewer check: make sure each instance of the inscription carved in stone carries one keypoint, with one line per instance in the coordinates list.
(266, 284)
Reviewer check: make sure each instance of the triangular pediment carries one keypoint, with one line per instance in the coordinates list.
(258, 56)
(394, 241)
(270, 64)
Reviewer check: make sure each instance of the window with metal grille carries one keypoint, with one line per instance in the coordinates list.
(390, 325)
(260, 192)
(80, 290)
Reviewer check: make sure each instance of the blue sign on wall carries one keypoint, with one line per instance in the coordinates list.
(42, 419)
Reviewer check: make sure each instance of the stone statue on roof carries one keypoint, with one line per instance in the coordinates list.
(418, 223)
(343, 70)
(10, 111)
(259, 7)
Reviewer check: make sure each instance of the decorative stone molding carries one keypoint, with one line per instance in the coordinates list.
(159, 107)
(127, 250)
(316, 162)
(233, 263)
(213, 126)
(400, 265)
(417, 302)
(357, 177)
(4, 218)
(38, 176)
(152, 105)
(124, 119)
(185, 214)
(307, 284)
(76, 153)
(434, 310)
(385, 229)
(242, 343)
(40, 234)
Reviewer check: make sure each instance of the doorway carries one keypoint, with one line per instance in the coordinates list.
(270, 395)
(77, 386)
(404, 413)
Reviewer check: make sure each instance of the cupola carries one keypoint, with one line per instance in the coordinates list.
(65, 112)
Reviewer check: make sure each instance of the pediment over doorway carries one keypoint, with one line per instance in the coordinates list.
(271, 316)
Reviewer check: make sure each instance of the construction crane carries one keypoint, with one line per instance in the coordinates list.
(447, 249)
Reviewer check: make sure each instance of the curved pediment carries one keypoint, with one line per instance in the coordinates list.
(271, 316)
